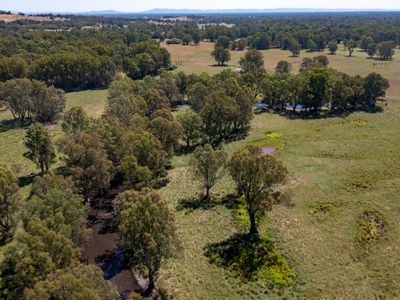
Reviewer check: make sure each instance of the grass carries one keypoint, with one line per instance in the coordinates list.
(197, 59)
(340, 168)
(12, 138)
(344, 183)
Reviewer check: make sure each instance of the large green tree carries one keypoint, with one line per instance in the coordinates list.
(375, 87)
(87, 162)
(9, 198)
(255, 176)
(207, 165)
(147, 234)
(76, 282)
(191, 124)
(75, 120)
(40, 147)
(221, 55)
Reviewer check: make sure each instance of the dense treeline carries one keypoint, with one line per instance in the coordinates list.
(78, 59)
(375, 34)
(317, 86)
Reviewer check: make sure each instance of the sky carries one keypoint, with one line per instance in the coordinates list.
(141, 5)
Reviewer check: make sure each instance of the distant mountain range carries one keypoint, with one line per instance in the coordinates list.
(162, 11)
(185, 12)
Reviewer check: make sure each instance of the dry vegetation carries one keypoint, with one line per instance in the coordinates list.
(12, 18)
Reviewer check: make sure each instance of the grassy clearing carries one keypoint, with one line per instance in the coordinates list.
(197, 59)
(12, 138)
(340, 168)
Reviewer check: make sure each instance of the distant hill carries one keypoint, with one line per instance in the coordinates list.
(165, 11)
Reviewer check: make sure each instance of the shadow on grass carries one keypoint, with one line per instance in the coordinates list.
(242, 254)
(26, 180)
(191, 204)
(251, 257)
(315, 115)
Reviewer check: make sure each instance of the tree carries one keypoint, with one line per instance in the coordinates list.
(253, 71)
(196, 37)
(27, 98)
(259, 41)
(35, 252)
(48, 102)
(87, 162)
(241, 44)
(255, 176)
(218, 114)
(197, 95)
(191, 124)
(283, 66)
(166, 129)
(253, 63)
(76, 282)
(221, 55)
(223, 41)
(319, 87)
(386, 50)
(134, 175)
(350, 45)
(55, 203)
(148, 234)
(375, 86)
(147, 149)
(17, 94)
(12, 67)
(365, 42)
(40, 147)
(332, 46)
(9, 198)
(312, 46)
(207, 164)
(295, 48)
(371, 50)
(75, 120)
(186, 39)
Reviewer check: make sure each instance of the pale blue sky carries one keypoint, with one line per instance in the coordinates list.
(140, 5)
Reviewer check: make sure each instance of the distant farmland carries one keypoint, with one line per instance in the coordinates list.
(7, 18)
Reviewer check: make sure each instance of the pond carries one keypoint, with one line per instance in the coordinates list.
(268, 150)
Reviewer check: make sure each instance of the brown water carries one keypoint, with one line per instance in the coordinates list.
(104, 252)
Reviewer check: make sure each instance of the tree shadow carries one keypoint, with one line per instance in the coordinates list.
(321, 114)
(6, 125)
(242, 254)
(195, 203)
(191, 204)
(26, 180)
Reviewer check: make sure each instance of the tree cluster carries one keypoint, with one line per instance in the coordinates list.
(42, 261)
(32, 100)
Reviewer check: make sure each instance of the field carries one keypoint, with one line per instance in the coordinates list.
(197, 59)
(12, 18)
(342, 171)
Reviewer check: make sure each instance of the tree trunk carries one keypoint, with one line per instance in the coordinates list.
(253, 226)
(150, 286)
(207, 196)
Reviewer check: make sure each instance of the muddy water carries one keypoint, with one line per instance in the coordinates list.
(104, 252)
